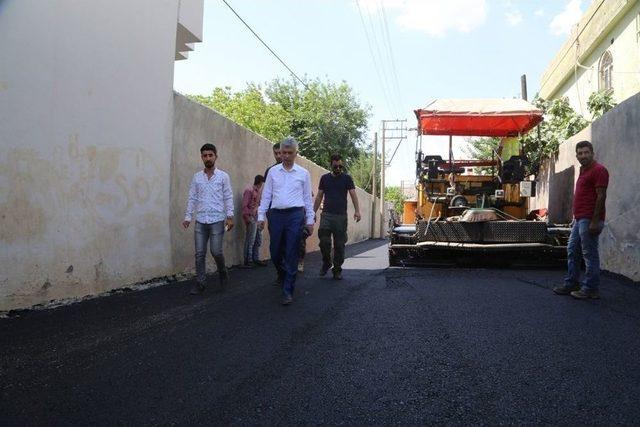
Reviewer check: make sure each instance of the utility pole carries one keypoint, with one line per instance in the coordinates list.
(382, 168)
(523, 86)
(373, 184)
(402, 129)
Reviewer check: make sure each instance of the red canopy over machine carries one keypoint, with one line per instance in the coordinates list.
(478, 117)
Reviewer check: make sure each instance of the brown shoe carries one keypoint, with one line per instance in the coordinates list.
(580, 294)
(565, 289)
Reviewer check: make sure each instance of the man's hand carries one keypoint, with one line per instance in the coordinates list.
(594, 228)
(228, 224)
(260, 225)
(357, 216)
(310, 229)
(186, 223)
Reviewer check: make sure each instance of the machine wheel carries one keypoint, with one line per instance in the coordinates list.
(459, 201)
(394, 260)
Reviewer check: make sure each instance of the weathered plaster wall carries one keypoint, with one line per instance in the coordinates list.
(242, 154)
(616, 140)
(85, 131)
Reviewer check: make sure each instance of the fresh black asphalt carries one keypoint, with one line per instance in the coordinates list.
(383, 346)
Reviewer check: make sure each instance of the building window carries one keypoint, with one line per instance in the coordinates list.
(606, 72)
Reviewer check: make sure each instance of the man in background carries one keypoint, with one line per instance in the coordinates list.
(253, 239)
(333, 188)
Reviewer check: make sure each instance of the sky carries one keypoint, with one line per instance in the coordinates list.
(397, 55)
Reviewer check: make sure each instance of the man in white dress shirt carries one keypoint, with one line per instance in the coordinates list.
(211, 198)
(287, 191)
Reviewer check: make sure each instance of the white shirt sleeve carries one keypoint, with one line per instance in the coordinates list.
(308, 202)
(267, 194)
(227, 193)
(191, 201)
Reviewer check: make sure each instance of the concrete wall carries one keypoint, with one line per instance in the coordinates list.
(242, 154)
(85, 128)
(616, 140)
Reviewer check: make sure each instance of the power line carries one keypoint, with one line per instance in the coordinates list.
(391, 55)
(267, 46)
(381, 59)
(373, 57)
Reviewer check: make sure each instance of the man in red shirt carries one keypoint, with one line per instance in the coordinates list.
(588, 221)
(253, 239)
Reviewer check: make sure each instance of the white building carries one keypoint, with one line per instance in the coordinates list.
(86, 105)
(601, 54)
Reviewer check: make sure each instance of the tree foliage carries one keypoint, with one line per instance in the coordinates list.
(561, 122)
(482, 148)
(600, 102)
(361, 171)
(395, 196)
(324, 117)
(250, 109)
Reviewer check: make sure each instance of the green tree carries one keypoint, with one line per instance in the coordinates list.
(561, 122)
(483, 149)
(600, 102)
(395, 196)
(361, 171)
(325, 117)
(250, 109)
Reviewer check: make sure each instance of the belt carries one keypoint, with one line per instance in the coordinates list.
(286, 210)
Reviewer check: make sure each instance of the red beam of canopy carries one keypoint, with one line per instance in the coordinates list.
(478, 117)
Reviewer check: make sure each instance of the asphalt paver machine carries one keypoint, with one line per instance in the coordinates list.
(464, 217)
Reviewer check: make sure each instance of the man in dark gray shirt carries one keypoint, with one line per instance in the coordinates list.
(334, 187)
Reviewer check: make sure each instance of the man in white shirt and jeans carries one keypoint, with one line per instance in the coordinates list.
(287, 191)
(211, 197)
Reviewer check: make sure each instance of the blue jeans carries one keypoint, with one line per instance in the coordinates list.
(583, 244)
(285, 232)
(252, 242)
(212, 234)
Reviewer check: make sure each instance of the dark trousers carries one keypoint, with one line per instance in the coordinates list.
(285, 232)
(333, 225)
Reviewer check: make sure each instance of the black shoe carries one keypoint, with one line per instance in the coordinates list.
(260, 263)
(197, 289)
(565, 289)
(287, 300)
(324, 269)
(337, 275)
(224, 277)
(247, 265)
(278, 282)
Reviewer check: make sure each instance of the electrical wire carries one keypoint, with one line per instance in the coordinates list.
(268, 47)
(391, 55)
(373, 57)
